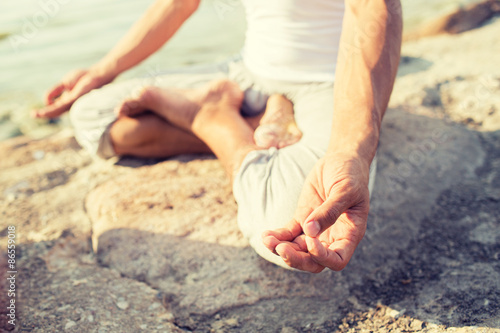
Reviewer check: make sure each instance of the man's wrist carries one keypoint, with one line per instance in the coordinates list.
(350, 165)
(103, 73)
(360, 146)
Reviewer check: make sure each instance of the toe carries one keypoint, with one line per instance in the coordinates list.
(265, 136)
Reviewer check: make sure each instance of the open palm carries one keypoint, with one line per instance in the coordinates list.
(61, 97)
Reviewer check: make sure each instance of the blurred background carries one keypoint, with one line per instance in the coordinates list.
(42, 40)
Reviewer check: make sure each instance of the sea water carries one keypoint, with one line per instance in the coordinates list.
(42, 40)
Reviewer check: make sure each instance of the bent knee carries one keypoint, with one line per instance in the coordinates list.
(266, 189)
(91, 116)
(127, 132)
(79, 111)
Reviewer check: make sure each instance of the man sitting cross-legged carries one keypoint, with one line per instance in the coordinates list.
(275, 127)
(303, 205)
(212, 113)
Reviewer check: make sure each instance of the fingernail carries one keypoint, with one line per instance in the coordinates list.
(281, 253)
(312, 229)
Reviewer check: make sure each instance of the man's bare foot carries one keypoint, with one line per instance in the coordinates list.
(161, 101)
(180, 107)
(277, 127)
(211, 113)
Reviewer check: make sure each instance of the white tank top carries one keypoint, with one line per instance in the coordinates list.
(293, 40)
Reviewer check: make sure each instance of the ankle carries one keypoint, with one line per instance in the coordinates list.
(225, 92)
(202, 117)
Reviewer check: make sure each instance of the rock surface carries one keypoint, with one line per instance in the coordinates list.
(147, 245)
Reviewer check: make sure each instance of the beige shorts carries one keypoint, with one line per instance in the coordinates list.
(269, 182)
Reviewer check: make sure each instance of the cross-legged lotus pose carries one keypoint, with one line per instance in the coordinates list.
(303, 195)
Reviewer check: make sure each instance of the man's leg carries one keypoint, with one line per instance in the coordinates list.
(211, 114)
(267, 182)
(98, 129)
(277, 127)
(139, 132)
(148, 135)
(133, 134)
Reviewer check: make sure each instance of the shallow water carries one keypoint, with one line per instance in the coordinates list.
(41, 40)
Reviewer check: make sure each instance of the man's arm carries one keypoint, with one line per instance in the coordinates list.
(147, 35)
(332, 211)
(366, 69)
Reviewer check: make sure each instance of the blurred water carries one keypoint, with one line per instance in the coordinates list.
(80, 32)
(41, 40)
(418, 11)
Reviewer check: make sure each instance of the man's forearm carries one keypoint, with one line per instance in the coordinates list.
(369, 54)
(146, 36)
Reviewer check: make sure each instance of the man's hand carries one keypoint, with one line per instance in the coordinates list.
(330, 219)
(74, 85)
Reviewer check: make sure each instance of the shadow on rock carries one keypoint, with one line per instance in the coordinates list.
(198, 280)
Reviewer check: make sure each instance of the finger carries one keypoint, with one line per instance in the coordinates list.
(53, 110)
(270, 240)
(53, 93)
(335, 257)
(326, 214)
(288, 233)
(298, 259)
(301, 242)
(283, 234)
